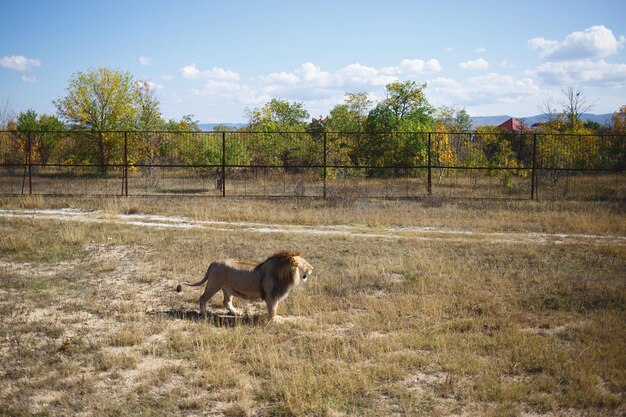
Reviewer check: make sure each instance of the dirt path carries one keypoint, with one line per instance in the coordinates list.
(352, 231)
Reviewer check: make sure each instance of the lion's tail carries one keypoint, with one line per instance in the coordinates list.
(179, 287)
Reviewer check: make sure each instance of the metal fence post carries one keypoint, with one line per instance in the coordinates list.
(223, 163)
(533, 191)
(29, 148)
(430, 184)
(125, 167)
(325, 152)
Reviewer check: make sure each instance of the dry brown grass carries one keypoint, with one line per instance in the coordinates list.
(91, 323)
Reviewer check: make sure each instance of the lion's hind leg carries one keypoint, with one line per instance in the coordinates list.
(228, 301)
(209, 291)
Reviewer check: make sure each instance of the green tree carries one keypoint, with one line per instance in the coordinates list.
(148, 117)
(274, 141)
(350, 116)
(185, 124)
(393, 127)
(45, 132)
(146, 146)
(50, 136)
(27, 121)
(409, 105)
(100, 100)
(279, 115)
(346, 124)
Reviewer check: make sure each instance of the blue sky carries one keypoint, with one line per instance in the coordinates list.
(215, 59)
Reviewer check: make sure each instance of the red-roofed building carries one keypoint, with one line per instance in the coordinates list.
(512, 125)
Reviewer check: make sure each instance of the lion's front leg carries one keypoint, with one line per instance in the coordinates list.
(272, 306)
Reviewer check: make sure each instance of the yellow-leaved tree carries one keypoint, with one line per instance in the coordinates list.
(100, 101)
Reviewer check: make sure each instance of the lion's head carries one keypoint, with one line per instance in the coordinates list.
(304, 269)
(286, 269)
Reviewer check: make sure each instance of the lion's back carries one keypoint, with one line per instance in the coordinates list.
(236, 274)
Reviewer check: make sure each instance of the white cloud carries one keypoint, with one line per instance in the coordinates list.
(145, 61)
(475, 64)
(413, 67)
(287, 78)
(485, 89)
(312, 74)
(593, 42)
(588, 72)
(480, 50)
(166, 77)
(544, 45)
(192, 72)
(362, 75)
(232, 92)
(30, 80)
(351, 76)
(19, 63)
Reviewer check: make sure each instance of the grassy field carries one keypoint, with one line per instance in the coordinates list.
(414, 308)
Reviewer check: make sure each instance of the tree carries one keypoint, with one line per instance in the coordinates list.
(575, 104)
(148, 146)
(225, 128)
(99, 100)
(279, 115)
(273, 144)
(359, 105)
(450, 123)
(550, 112)
(405, 108)
(51, 133)
(185, 124)
(350, 116)
(619, 121)
(27, 121)
(147, 103)
(393, 127)
(452, 119)
(616, 145)
(7, 116)
(407, 102)
(45, 132)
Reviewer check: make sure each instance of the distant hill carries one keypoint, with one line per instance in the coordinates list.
(603, 119)
(210, 126)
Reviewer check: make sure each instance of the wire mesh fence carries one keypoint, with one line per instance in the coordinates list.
(332, 165)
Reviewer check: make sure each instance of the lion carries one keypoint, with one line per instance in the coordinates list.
(270, 281)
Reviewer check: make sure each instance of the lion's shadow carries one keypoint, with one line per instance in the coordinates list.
(221, 320)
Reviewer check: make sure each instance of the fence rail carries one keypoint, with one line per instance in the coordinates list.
(336, 165)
